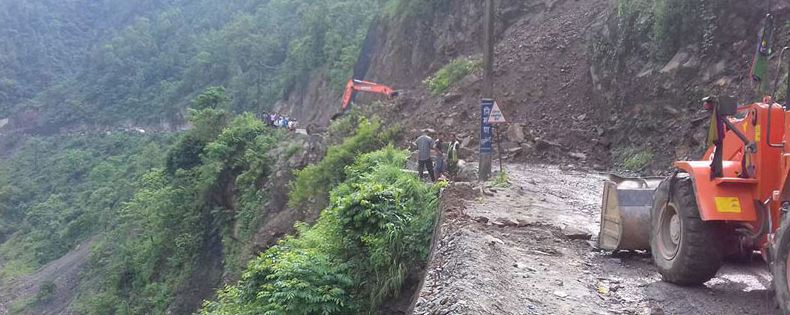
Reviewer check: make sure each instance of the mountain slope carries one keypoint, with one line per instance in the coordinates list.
(144, 65)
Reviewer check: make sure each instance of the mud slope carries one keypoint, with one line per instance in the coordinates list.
(572, 75)
(542, 73)
(64, 273)
(516, 252)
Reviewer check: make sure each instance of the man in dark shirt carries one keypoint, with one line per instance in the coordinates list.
(424, 143)
(438, 157)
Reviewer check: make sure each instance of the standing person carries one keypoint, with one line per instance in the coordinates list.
(424, 143)
(452, 156)
(265, 118)
(438, 155)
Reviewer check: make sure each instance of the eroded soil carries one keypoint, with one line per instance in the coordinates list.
(521, 250)
(63, 274)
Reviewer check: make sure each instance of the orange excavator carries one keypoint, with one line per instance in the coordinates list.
(732, 202)
(353, 86)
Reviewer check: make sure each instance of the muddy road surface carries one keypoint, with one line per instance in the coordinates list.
(525, 249)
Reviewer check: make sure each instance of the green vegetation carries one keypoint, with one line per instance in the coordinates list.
(636, 160)
(56, 192)
(159, 209)
(376, 229)
(46, 291)
(146, 60)
(410, 9)
(451, 73)
(501, 180)
(180, 212)
(314, 182)
(682, 22)
(668, 25)
(19, 306)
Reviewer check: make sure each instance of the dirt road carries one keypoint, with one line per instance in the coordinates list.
(521, 250)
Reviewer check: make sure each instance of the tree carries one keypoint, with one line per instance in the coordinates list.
(214, 97)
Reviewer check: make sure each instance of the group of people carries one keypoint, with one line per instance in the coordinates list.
(279, 121)
(431, 155)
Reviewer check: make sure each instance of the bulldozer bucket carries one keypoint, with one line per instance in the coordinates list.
(625, 213)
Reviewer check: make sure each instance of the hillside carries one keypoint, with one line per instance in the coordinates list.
(606, 79)
(110, 63)
(136, 176)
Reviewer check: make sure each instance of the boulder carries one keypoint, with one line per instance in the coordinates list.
(576, 233)
(679, 59)
(515, 133)
(578, 155)
(465, 141)
(467, 171)
(541, 144)
(509, 222)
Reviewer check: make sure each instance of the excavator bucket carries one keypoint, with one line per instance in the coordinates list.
(625, 213)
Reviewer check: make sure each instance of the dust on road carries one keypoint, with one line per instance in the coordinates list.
(522, 250)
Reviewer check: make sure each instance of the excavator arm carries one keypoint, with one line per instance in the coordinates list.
(354, 86)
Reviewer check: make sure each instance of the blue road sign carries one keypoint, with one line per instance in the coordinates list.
(486, 131)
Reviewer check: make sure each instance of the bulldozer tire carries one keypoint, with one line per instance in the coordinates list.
(780, 265)
(686, 250)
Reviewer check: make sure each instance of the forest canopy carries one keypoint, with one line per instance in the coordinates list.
(108, 61)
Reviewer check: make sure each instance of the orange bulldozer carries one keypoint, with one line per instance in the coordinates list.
(732, 202)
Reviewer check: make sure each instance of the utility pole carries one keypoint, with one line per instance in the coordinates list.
(486, 102)
(488, 50)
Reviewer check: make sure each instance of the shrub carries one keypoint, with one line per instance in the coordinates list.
(501, 180)
(670, 24)
(176, 215)
(637, 160)
(46, 292)
(313, 183)
(376, 229)
(450, 74)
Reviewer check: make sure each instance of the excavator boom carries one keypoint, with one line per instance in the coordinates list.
(353, 86)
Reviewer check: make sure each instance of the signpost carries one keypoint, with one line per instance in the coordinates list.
(486, 130)
(487, 102)
(496, 117)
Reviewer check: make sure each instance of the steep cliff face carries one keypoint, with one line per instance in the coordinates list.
(403, 48)
(652, 87)
(585, 82)
(542, 78)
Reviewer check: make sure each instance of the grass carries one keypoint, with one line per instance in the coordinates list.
(20, 306)
(17, 267)
(450, 74)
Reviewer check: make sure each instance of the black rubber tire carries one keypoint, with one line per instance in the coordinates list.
(779, 253)
(699, 250)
